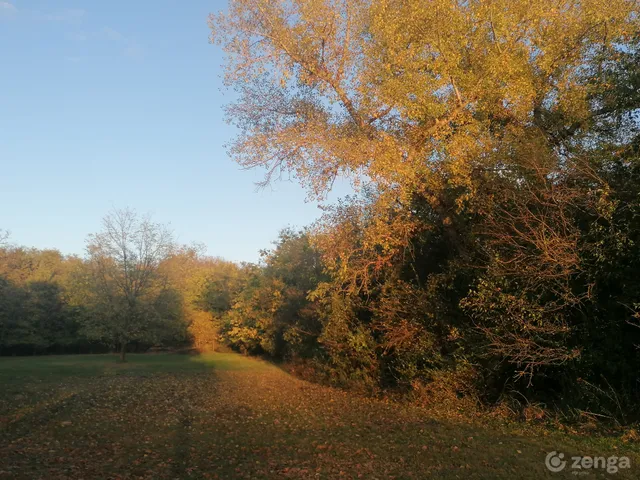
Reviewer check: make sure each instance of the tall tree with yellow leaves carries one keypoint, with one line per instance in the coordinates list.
(472, 123)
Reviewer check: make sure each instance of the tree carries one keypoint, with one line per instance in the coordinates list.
(206, 285)
(266, 308)
(413, 95)
(124, 261)
(35, 301)
(498, 144)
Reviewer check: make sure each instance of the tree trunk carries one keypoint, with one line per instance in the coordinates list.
(123, 352)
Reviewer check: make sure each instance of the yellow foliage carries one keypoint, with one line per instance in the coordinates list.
(412, 96)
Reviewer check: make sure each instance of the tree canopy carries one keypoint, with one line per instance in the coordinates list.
(494, 150)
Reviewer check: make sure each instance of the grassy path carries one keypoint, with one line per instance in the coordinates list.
(225, 416)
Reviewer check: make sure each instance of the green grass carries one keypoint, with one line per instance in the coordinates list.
(226, 416)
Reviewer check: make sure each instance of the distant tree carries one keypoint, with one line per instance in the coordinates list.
(124, 261)
(207, 286)
(34, 312)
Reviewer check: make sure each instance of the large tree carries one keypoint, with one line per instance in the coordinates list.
(441, 106)
(411, 94)
(494, 137)
(124, 261)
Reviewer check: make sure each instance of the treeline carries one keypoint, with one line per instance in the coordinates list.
(492, 250)
(136, 294)
(35, 314)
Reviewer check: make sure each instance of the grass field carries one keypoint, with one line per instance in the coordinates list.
(227, 416)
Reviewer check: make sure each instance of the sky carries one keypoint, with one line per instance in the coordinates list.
(120, 104)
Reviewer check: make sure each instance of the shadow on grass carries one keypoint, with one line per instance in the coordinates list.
(182, 443)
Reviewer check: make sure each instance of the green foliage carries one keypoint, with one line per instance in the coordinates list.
(35, 312)
(271, 312)
(55, 304)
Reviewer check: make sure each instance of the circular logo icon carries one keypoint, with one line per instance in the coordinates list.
(554, 461)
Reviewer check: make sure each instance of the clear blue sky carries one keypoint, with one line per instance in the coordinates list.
(119, 103)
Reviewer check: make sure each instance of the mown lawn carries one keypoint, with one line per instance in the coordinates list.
(226, 416)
